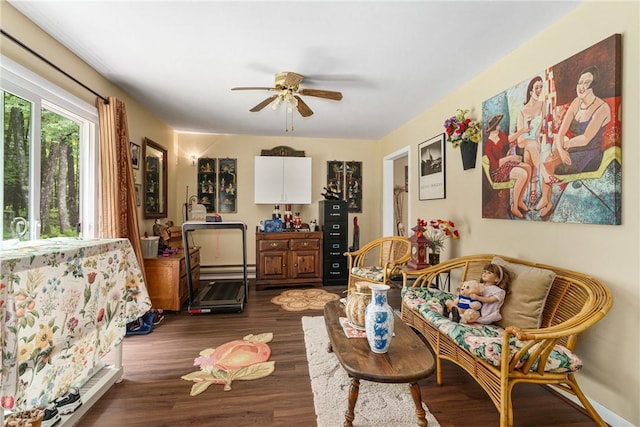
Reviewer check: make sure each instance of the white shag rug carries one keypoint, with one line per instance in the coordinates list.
(378, 404)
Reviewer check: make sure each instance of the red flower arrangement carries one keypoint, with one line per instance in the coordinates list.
(437, 231)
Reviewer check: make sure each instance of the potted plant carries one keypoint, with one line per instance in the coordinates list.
(464, 132)
(437, 231)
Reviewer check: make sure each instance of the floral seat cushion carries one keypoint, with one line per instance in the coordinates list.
(371, 273)
(482, 341)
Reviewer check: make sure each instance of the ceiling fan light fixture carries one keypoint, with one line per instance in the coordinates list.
(276, 103)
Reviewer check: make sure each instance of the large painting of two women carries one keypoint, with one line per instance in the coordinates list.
(552, 143)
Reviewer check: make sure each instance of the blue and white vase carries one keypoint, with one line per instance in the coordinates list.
(379, 319)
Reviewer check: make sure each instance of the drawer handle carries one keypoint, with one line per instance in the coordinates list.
(305, 244)
(273, 245)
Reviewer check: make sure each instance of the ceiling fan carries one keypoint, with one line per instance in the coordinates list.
(288, 90)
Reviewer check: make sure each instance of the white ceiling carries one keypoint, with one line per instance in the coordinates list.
(390, 60)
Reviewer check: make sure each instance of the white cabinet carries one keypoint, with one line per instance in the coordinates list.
(282, 180)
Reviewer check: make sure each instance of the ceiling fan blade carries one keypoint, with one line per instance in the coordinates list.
(263, 104)
(253, 88)
(292, 79)
(303, 108)
(328, 94)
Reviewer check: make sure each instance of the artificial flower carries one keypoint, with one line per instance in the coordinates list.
(460, 128)
(437, 231)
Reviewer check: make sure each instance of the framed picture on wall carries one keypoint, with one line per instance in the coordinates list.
(335, 178)
(135, 155)
(431, 169)
(353, 177)
(576, 103)
(227, 186)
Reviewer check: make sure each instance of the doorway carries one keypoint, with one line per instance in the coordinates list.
(392, 178)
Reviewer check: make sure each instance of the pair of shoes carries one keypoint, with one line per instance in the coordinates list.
(158, 317)
(69, 402)
(142, 325)
(455, 314)
(51, 416)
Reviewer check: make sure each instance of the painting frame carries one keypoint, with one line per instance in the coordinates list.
(431, 169)
(227, 185)
(583, 90)
(353, 186)
(135, 154)
(208, 183)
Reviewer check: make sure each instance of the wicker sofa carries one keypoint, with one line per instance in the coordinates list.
(541, 352)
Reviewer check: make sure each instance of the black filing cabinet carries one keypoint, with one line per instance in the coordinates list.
(334, 225)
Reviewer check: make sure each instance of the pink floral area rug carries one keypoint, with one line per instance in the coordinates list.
(245, 359)
(304, 299)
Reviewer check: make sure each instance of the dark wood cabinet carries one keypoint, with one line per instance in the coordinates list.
(334, 225)
(288, 259)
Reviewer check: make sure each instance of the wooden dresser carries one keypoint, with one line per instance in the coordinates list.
(288, 259)
(167, 279)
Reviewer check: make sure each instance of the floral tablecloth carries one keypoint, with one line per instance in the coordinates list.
(64, 304)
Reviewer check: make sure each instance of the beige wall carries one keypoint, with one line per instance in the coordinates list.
(220, 248)
(611, 375)
(609, 350)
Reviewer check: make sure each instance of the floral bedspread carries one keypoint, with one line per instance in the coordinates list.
(483, 341)
(64, 304)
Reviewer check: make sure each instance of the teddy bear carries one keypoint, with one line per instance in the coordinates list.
(463, 308)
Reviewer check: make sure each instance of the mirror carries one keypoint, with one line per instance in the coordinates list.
(155, 180)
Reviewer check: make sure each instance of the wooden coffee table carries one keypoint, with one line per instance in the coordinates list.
(408, 359)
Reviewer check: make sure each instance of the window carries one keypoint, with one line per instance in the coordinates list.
(49, 159)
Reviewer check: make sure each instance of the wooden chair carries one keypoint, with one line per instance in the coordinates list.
(378, 260)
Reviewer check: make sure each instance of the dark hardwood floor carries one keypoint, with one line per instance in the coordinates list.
(153, 394)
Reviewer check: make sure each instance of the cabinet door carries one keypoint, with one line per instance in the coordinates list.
(273, 265)
(297, 180)
(305, 264)
(282, 180)
(268, 180)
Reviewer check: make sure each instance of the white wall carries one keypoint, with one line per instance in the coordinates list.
(611, 374)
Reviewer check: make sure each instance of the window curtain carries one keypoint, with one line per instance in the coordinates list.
(118, 211)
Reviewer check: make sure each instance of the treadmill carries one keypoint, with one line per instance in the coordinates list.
(213, 297)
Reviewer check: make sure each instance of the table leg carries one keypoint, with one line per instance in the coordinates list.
(354, 389)
(417, 400)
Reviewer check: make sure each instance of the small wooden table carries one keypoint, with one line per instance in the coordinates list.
(408, 359)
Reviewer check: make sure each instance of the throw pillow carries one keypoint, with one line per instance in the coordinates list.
(528, 292)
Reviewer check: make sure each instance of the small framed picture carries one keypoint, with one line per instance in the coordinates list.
(135, 155)
(138, 190)
(432, 168)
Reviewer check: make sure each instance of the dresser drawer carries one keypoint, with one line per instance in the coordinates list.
(195, 262)
(273, 245)
(304, 244)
